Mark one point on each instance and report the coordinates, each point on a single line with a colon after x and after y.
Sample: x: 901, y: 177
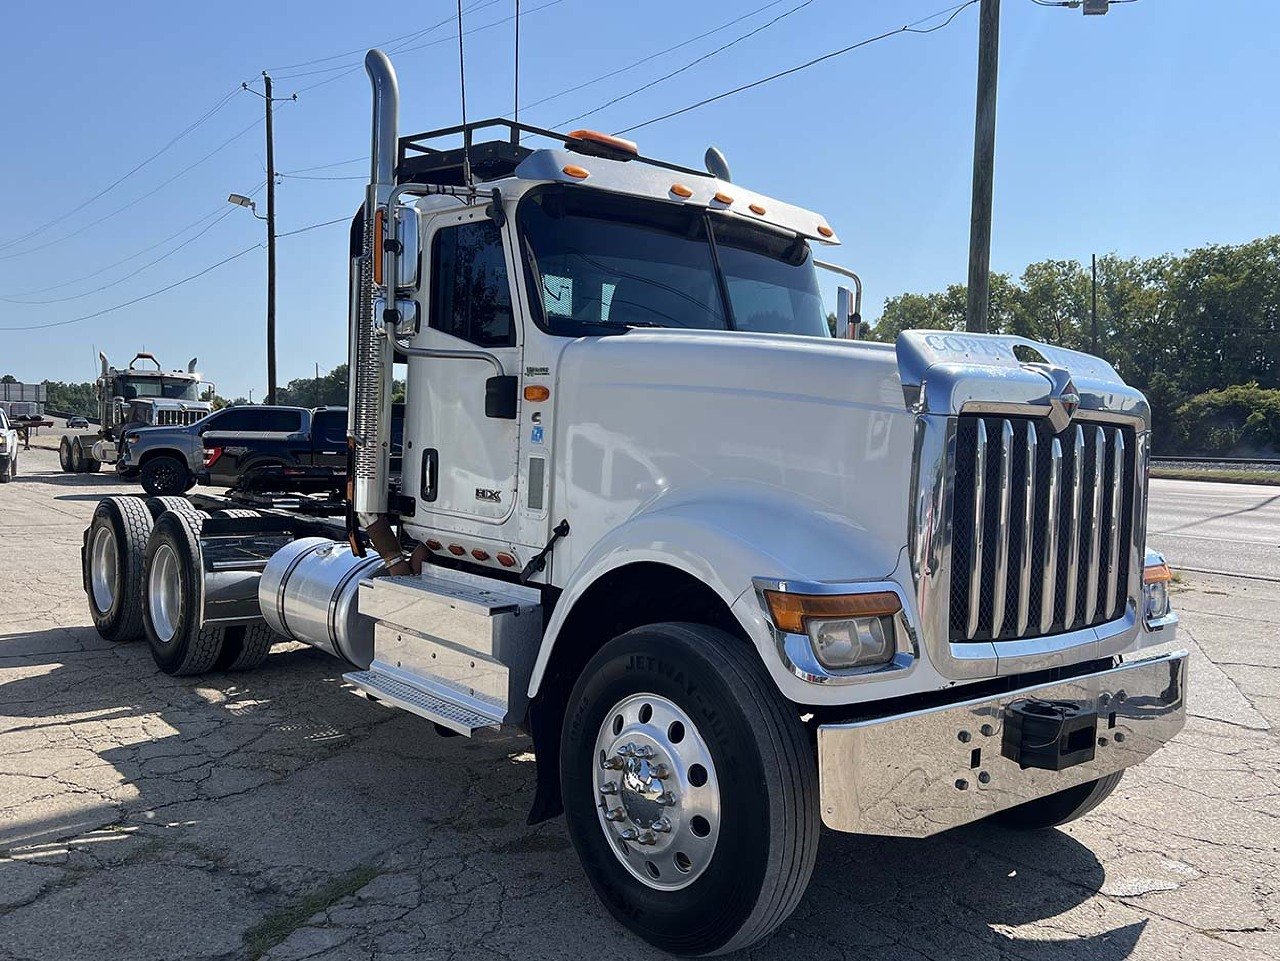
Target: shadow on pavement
x: 281, y: 778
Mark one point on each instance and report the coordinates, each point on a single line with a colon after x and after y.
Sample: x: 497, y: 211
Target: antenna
x: 462, y: 82
x: 516, y: 117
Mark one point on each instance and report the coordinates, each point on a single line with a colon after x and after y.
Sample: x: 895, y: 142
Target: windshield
x: 601, y: 261
x: 167, y: 387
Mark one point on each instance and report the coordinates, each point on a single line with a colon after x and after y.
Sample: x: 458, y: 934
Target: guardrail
x: 1239, y: 461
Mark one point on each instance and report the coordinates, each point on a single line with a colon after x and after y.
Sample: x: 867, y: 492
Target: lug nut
x: 644, y: 751
x: 610, y: 788
x: 660, y: 771
x: 630, y: 834
x: 647, y: 837
x: 627, y: 750
x: 662, y: 825
x: 612, y: 764
x: 615, y: 814
x: 666, y: 799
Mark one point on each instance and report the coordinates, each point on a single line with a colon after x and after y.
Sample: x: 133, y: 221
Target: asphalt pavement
x: 1228, y: 528
x: 272, y: 814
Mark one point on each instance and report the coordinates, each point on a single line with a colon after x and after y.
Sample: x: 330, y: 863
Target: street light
x: 240, y: 200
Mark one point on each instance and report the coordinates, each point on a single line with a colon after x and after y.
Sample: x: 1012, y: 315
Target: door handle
x: 430, y: 474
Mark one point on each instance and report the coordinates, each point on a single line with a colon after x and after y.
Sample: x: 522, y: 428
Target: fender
x: 724, y: 537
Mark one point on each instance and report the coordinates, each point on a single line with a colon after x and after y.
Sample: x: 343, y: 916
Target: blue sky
x: 1149, y: 130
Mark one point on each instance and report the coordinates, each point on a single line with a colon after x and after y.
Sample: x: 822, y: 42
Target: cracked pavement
x: 149, y: 817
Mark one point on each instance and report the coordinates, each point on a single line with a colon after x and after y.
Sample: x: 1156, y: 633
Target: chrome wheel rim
x: 164, y: 592
x: 105, y: 570
x: 657, y: 795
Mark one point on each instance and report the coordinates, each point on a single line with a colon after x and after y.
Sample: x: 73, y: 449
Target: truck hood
x: 661, y: 417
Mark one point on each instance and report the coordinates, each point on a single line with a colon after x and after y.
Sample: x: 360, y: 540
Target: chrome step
x: 381, y: 685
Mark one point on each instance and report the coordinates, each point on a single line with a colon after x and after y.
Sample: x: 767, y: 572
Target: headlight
x: 1156, y: 576
x: 852, y: 642
x: 846, y: 630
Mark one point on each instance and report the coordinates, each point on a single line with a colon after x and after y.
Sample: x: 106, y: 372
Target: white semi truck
x: 735, y: 577
x: 131, y: 397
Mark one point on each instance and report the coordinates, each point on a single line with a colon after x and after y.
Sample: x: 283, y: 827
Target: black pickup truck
x: 263, y: 441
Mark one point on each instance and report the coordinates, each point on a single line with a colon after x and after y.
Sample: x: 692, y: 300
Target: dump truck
x: 132, y: 397
x: 735, y: 577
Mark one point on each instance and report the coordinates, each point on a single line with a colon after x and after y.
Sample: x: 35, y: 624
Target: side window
x: 283, y: 421
x: 470, y: 294
x: 330, y: 427
x: 257, y: 419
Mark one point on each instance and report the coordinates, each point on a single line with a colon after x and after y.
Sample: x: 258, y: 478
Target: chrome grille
x: 175, y: 418
x: 1041, y: 527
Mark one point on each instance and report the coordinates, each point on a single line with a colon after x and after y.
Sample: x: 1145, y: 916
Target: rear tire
x: 91, y: 464
x: 165, y: 475
x: 9, y: 469
x: 1056, y: 809
x: 77, y: 457
x: 246, y: 647
x: 114, y: 556
x: 64, y: 454
x: 170, y: 502
x: 179, y: 643
x: 725, y: 838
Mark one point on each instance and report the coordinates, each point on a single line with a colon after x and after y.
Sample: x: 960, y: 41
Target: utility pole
x: 984, y: 158
x: 271, y: 246
x: 1094, y: 340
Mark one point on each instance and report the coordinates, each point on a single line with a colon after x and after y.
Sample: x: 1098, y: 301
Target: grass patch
x: 1226, y: 476
x: 279, y: 924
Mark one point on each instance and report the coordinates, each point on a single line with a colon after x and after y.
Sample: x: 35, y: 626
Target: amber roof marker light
x: 592, y: 143
x: 573, y: 170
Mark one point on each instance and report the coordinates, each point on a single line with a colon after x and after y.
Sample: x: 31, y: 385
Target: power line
x: 653, y: 56
x: 691, y: 64
x: 282, y: 73
x: 909, y: 28
x: 138, y: 300
x: 129, y: 173
x: 181, y: 173
x: 10, y: 298
x: 432, y: 43
x: 177, y: 283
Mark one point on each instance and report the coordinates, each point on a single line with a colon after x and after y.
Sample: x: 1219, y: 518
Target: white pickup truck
x: 8, y: 449
x: 735, y: 577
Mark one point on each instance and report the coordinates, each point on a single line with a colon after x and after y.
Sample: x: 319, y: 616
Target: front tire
x: 9, y: 469
x: 1057, y: 809
x: 165, y: 475
x: 690, y: 789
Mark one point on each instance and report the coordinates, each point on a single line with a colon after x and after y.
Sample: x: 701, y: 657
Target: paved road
x: 146, y: 817
x: 1216, y: 527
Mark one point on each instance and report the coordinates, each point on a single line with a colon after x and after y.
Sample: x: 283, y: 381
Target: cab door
x: 460, y: 458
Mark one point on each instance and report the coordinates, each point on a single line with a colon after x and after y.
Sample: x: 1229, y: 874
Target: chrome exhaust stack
x: 370, y: 355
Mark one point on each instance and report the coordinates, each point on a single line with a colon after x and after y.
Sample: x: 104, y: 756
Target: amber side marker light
x: 757, y: 209
x: 680, y: 190
x: 1157, y: 574
x: 724, y: 198
x: 790, y: 611
x: 826, y: 231
x: 537, y: 393
x: 379, y: 220
x: 573, y: 170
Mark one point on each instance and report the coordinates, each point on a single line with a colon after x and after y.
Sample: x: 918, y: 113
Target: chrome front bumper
x: 916, y: 774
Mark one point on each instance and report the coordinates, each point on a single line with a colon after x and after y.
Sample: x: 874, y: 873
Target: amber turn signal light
x: 1157, y: 574
x: 790, y: 611
x: 537, y: 393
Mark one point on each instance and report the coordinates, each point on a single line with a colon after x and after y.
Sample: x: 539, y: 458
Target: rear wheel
x: 115, y: 551
x: 172, y: 617
x: 690, y: 789
x: 1055, y: 809
x: 8, y: 468
x: 165, y: 475
x: 91, y: 464
x: 173, y: 502
x: 64, y: 454
x: 246, y: 647
x: 77, y: 457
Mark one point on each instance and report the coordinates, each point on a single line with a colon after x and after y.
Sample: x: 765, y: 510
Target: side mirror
x: 409, y: 236
x: 847, y: 318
